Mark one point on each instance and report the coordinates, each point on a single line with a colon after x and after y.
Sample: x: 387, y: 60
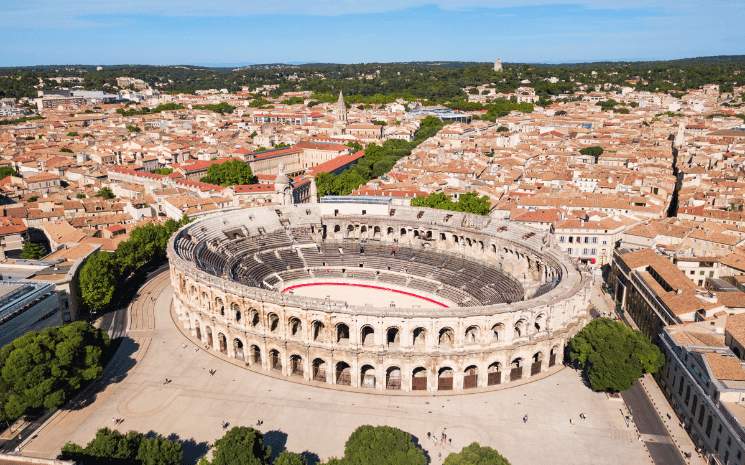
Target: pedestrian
x: 429, y: 435
x: 525, y: 419
x: 450, y: 441
x: 571, y: 421
x: 113, y: 419
x: 19, y: 437
x: 440, y: 455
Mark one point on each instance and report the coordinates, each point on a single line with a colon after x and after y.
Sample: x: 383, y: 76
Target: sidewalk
x: 683, y: 442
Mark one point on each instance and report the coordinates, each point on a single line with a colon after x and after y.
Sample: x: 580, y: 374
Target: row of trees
x: 42, y: 369
x: 468, y: 203
x: 103, y: 270
x: 111, y: 446
x: 229, y: 173
x: 377, y: 161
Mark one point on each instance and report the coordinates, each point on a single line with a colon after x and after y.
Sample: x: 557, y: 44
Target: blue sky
x: 352, y: 31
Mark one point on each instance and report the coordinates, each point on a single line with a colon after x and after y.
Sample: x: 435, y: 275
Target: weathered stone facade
x: 406, y: 349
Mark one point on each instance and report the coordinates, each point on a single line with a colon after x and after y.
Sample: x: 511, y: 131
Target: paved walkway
x: 317, y: 421
x: 679, y: 436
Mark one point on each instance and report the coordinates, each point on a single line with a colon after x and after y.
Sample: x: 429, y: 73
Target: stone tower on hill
x: 340, y: 112
x: 498, y: 65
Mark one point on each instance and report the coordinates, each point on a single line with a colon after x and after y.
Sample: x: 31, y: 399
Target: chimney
x: 678, y: 291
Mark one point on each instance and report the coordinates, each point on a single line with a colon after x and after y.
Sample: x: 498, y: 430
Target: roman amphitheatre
x: 378, y: 297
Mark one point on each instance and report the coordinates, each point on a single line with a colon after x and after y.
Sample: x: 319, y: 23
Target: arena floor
x: 365, y: 295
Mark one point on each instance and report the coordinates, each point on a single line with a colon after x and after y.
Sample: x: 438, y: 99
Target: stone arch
x: 238, y: 349
x: 389, y: 231
x: 296, y: 365
x: 540, y: 322
x: 367, y: 376
x: 255, y: 355
x: 393, y: 337
x: 445, y: 379
x: 470, y: 377
x: 318, y: 331
x: 254, y: 316
x: 472, y: 334
x: 236, y: 310
x: 222, y: 343
x: 343, y: 373
x: 210, y: 340
x: 193, y: 291
x: 494, y: 374
x: 337, y: 228
x: 219, y: 306
x: 393, y: 378
x: 516, y: 369
x: 350, y: 230
x: 416, y: 233
x: 419, y: 337
x: 198, y: 329
x: 552, y: 356
x: 446, y: 337
x: 367, y: 335
x: 295, y: 327
x: 521, y: 328
x: 273, y: 322
x: 342, y: 334
x: 419, y: 379
x: 275, y: 360
x: 497, y: 332
x: 403, y: 232
x: 481, y: 245
x: 376, y: 232
x: 319, y: 368
x: 537, y: 364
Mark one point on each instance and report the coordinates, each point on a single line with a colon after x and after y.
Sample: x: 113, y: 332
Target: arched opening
x: 220, y: 306
x: 403, y: 232
x: 389, y: 231
x: 455, y: 238
x: 337, y: 228
x: 393, y: 337
x: 236, y: 309
x: 222, y: 343
x: 295, y: 328
x: 539, y: 322
x: 419, y: 338
x: 468, y: 242
x: 493, y: 248
x: 393, y: 378
x: 342, y: 334
x: 254, y: 317
x: 275, y: 363
x: 350, y: 230
x: 416, y: 233
x: 376, y: 232
x: 472, y: 335
x: 445, y: 379
x: 273, y: 322
x: 319, y: 370
x: 419, y: 379
x: 255, y: 355
x: 481, y: 245
x: 210, y: 341
x: 516, y: 369
x: 367, y: 376
x: 446, y: 337
x: 368, y: 336
x: 497, y: 332
x: 520, y: 328
x: 470, y: 377
x: 296, y: 366
x: 193, y: 291
x: 494, y: 375
x: 198, y: 330
x: 318, y: 331
x: 535, y: 368
x: 552, y: 357
x: 343, y: 374
x: 238, y: 349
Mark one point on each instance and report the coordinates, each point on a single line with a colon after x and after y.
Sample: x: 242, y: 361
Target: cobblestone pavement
x: 317, y: 420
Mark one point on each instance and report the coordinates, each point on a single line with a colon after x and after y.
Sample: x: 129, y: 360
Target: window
x: 711, y: 274
x: 587, y: 240
x: 594, y: 240
x: 593, y: 251
x: 584, y: 251
x: 569, y: 251
x: 692, y: 272
x: 701, y: 273
x: 708, y: 426
x: 364, y: 212
x: 605, y: 242
x: 562, y: 239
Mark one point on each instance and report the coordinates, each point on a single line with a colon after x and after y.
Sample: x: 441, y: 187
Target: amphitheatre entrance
x: 365, y: 295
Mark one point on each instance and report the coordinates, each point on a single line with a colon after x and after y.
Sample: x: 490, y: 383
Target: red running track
x: 371, y: 287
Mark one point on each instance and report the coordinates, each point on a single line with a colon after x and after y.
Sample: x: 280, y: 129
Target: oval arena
x: 378, y: 297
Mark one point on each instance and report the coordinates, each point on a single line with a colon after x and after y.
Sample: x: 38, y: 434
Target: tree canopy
x: 105, y: 193
x: 290, y: 458
x: 467, y: 203
x: 41, y: 369
x: 380, y: 445
x: 6, y: 171
x: 98, y: 278
x: 240, y: 446
x: 613, y: 355
x: 594, y: 150
x: 229, y: 173
x: 131, y: 448
x: 31, y: 251
x: 476, y: 455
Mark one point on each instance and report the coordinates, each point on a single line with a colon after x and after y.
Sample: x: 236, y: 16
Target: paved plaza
x: 317, y: 420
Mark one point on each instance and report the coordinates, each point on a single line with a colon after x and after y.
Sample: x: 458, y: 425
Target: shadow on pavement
x: 415, y: 440
x: 115, y: 372
x: 192, y: 450
x: 311, y: 457
x: 277, y: 440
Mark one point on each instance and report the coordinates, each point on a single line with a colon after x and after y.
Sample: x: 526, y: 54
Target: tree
x: 229, y: 173
x: 467, y: 203
x: 356, y: 146
x: 594, y: 150
x: 476, y: 455
x: 105, y: 193
x: 133, y: 447
x: 290, y: 458
x: 66, y: 150
x: 72, y: 134
x: 6, y: 171
x: 613, y: 355
x: 41, y: 369
x: 380, y: 445
x: 131, y: 128
x: 31, y: 251
x: 33, y: 198
x: 241, y: 446
x: 503, y: 129
x: 98, y: 278
x: 80, y: 195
